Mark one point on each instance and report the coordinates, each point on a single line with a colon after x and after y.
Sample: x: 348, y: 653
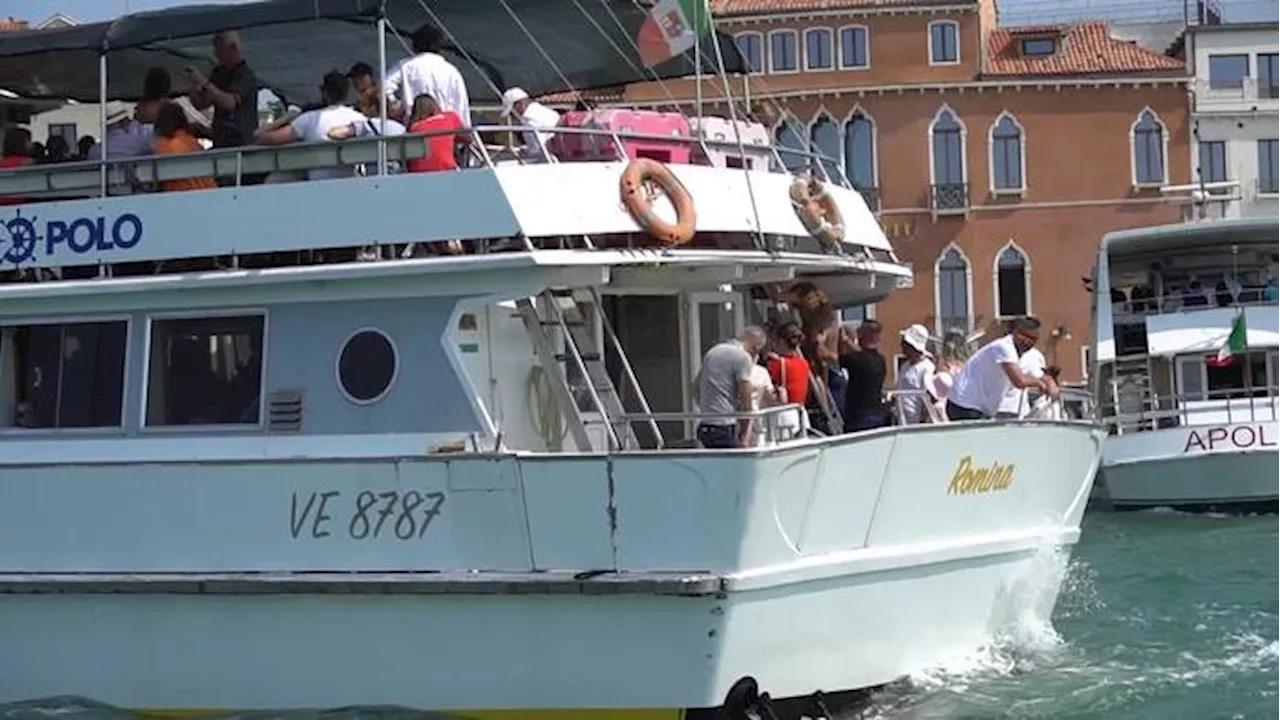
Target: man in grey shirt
x: 724, y: 386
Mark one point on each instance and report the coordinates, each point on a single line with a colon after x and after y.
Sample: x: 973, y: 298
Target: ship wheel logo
x: 18, y: 239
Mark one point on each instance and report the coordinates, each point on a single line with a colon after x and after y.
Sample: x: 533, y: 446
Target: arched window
x: 1148, y: 149
x: 790, y: 135
x: 952, y: 289
x: 1013, y: 286
x: 1006, y: 154
x: 946, y: 144
x: 860, y: 151
x: 824, y: 134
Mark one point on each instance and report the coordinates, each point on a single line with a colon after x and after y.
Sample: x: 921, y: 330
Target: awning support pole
x: 102, y: 123
x: 382, y: 88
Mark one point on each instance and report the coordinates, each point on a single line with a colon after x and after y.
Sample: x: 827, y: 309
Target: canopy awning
x: 543, y: 46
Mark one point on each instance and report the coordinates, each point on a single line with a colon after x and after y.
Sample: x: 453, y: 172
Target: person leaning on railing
x: 981, y: 383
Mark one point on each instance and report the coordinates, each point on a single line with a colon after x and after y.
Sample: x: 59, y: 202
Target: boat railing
x: 1156, y: 411
x: 1136, y: 309
x: 110, y: 176
x: 767, y: 422
x: 1071, y: 403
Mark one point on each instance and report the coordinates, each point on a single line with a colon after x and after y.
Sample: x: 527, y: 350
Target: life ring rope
x: 638, y: 204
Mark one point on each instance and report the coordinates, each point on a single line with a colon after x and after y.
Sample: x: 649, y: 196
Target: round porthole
x: 367, y: 366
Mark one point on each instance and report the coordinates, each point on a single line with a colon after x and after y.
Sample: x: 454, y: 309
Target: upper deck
x: 1166, y: 299
x: 91, y: 219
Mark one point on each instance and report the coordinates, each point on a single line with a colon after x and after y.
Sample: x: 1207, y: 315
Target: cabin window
x: 205, y: 371
x: 1242, y: 378
x: 64, y: 375
x: 367, y: 366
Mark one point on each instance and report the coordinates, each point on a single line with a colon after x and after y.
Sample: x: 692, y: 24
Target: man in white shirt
x: 540, y: 119
x: 427, y: 72
x: 980, y: 385
x: 915, y: 376
x: 1014, y: 404
x: 314, y: 125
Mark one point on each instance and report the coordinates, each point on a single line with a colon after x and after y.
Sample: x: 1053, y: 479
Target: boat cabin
x: 1165, y: 301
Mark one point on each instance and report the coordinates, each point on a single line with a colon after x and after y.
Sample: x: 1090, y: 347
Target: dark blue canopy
x: 543, y: 46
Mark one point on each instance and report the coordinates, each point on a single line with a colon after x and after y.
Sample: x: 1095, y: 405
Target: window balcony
x: 1245, y: 96
x: 950, y: 199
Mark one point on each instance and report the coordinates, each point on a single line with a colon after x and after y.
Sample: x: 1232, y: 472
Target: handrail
x: 1157, y: 411
x: 769, y: 414
x: 85, y: 175
x: 1169, y: 303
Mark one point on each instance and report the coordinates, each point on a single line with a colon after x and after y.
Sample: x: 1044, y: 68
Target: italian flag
x: 1235, y: 345
x: 672, y: 28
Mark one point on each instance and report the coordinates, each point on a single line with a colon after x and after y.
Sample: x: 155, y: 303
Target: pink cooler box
x: 577, y: 147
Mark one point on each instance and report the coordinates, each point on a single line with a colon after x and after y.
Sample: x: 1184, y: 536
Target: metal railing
x: 949, y: 197
x: 766, y: 423
x: 1133, y: 309
x: 1072, y: 404
x: 95, y: 178
x: 1157, y: 411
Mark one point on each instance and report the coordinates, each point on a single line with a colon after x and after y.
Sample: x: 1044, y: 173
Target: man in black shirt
x: 232, y: 91
x: 863, y: 404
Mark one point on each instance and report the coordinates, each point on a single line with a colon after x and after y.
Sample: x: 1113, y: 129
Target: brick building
x: 996, y: 157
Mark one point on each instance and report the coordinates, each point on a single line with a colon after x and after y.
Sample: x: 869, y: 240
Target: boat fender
x: 818, y: 212
x: 636, y: 200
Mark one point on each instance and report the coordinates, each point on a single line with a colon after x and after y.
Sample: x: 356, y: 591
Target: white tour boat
x: 242, y: 470
x: 1188, y: 431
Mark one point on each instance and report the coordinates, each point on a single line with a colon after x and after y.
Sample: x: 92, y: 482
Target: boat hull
x: 1191, y: 469
x: 828, y: 566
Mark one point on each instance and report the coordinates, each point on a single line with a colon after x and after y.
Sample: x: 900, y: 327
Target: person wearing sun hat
x: 526, y: 112
x: 125, y: 136
x: 915, y: 376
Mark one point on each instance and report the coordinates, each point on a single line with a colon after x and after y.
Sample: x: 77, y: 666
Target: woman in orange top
x: 173, y: 136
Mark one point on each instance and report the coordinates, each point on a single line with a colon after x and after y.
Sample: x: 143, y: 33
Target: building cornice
x: 828, y: 14
x: 860, y: 91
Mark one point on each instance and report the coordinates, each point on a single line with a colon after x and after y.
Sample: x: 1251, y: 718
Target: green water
x: 1163, y: 616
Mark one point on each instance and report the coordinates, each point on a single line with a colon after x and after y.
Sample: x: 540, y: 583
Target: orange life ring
x: 818, y: 211
x: 634, y: 198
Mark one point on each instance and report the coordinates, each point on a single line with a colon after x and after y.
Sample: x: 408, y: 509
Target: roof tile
x: 12, y: 23
x: 1084, y: 49
x: 728, y: 8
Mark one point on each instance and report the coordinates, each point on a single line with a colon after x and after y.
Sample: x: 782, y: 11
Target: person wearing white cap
x: 916, y: 376
x: 125, y: 136
x: 532, y: 114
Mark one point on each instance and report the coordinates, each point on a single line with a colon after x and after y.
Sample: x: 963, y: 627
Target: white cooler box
x: 755, y: 140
